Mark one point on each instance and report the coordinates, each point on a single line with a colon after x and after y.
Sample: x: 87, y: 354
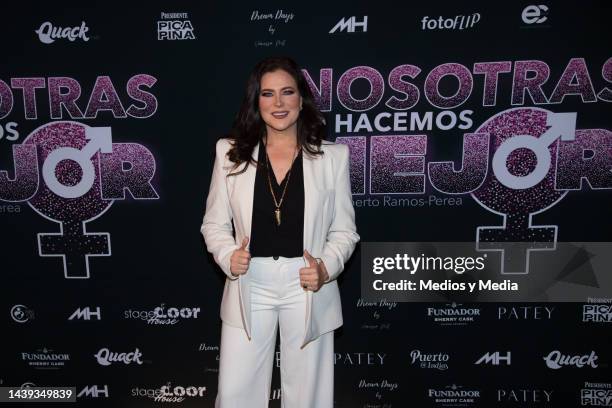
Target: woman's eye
x: 289, y: 92
x: 266, y: 94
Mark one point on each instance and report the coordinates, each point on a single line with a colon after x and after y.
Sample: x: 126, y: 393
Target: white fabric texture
x: 245, y: 368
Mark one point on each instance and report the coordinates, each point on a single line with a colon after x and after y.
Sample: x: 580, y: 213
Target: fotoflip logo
x: 83, y: 174
x: 47, y: 33
x: 350, y: 24
x: 459, y: 22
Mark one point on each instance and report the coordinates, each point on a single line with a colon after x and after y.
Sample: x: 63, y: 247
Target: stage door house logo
x: 71, y: 173
x: 170, y: 392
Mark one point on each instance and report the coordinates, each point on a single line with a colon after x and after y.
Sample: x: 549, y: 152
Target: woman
x: 287, y: 194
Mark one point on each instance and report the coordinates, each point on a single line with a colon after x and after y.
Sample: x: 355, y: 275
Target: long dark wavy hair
x: 249, y: 127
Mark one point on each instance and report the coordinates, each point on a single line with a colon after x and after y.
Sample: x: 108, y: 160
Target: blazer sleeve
x: 342, y: 235
x: 217, y: 223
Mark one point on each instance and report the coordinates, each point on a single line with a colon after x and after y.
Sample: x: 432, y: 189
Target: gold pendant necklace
x: 277, y: 204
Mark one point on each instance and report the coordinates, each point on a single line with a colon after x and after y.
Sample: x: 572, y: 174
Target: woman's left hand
x: 314, y: 275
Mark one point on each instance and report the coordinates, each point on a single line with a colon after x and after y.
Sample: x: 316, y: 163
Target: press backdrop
x: 109, y: 113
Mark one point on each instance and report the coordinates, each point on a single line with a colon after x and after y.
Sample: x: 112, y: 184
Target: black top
x: 268, y: 239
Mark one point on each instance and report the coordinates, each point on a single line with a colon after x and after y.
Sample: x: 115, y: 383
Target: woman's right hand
x: 239, y: 261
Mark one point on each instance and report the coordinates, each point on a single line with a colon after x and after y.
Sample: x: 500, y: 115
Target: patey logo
x: 47, y: 33
x: 555, y: 360
x: 358, y: 358
x: 524, y: 313
x: 350, y: 25
x: 524, y: 395
x: 83, y: 173
x: 105, y: 357
x: 533, y: 14
x: 495, y: 358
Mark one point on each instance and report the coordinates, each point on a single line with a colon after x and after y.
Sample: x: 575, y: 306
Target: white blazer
x: 329, y: 231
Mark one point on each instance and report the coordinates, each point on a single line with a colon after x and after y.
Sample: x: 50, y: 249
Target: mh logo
x: 86, y: 314
x: 93, y: 391
x: 494, y: 358
x: 83, y: 173
x: 349, y: 25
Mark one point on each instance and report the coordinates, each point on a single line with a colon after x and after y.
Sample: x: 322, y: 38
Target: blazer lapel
x: 308, y: 190
x: 242, y: 200
x: 310, y: 198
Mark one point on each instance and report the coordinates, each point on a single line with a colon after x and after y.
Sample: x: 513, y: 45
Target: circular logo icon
x: 20, y: 314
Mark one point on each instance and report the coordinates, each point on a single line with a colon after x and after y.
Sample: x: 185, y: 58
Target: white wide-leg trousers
x: 245, y: 366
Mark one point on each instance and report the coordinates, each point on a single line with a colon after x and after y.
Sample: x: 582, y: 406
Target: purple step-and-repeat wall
x: 109, y: 113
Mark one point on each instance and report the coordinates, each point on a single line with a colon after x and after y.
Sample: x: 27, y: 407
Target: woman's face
x: 279, y: 101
